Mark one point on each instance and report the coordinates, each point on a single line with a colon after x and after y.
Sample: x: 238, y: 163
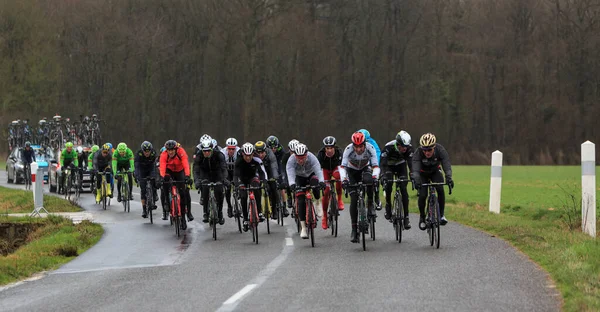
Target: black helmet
x: 146, y: 146
x: 272, y: 141
x: 170, y: 144
x: 329, y: 141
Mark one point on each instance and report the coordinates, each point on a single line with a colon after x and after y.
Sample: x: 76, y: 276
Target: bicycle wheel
x: 372, y: 225
x: 177, y: 225
x: 311, y: 222
x: 214, y: 219
x: 267, y: 209
x: 68, y: 187
x: 437, y: 225
x: 149, y: 200
x: 103, y: 193
x: 398, y: 218
x: 237, y: 214
x: 77, y: 186
x: 254, y: 220
x: 429, y: 224
x: 333, y: 212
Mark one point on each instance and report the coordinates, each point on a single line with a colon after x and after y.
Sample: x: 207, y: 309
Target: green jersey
x: 117, y: 159
x: 72, y: 156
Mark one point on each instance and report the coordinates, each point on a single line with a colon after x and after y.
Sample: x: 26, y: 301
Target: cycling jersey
x: 245, y: 171
x: 359, y: 162
x: 179, y: 162
x: 330, y: 163
x: 27, y: 156
x: 270, y: 163
x: 144, y: 166
x: 422, y: 164
x: 311, y: 166
x: 100, y: 162
x: 68, y: 157
x: 122, y: 161
x: 391, y: 156
x: 213, y: 168
x: 230, y: 160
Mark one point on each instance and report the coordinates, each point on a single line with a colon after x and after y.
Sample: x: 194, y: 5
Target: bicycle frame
x: 311, y: 216
x: 433, y: 217
x: 212, y: 206
x: 176, y: 213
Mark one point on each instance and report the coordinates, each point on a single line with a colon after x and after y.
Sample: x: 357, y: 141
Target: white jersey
x: 311, y: 165
x: 359, y: 162
x: 230, y: 160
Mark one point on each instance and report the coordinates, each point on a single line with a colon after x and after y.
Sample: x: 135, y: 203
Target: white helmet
x: 206, y: 145
x: 292, y: 145
x: 403, y: 138
x: 301, y: 149
x: 248, y: 148
x: 427, y: 140
x: 204, y: 137
x: 79, y: 150
x: 231, y: 142
x: 214, y: 142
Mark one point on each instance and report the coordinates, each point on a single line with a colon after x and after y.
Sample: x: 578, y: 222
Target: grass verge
x: 55, y: 243
x: 19, y: 201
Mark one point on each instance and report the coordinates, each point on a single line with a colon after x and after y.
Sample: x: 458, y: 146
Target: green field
x: 20, y: 201
x: 541, y: 216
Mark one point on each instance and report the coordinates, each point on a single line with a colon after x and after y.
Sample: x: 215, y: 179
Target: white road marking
x: 238, y: 295
x: 289, y: 241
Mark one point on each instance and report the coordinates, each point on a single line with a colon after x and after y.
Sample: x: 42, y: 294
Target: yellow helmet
x: 427, y: 140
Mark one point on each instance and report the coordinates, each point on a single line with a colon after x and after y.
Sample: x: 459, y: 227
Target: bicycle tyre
x: 237, y: 214
x: 398, y: 221
x: 437, y: 225
x: 214, y: 217
x: 372, y: 225
x: 149, y: 200
x: 177, y: 225
x: 311, y: 226
x: 364, y: 241
x: 68, y: 187
x: 430, y: 225
x: 267, y: 208
x: 103, y: 193
x: 333, y: 214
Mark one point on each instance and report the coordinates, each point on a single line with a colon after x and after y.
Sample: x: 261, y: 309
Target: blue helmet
x: 162, y: 149
x: 366, y: 133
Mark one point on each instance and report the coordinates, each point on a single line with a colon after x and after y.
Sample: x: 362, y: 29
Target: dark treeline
x: 522, y: 76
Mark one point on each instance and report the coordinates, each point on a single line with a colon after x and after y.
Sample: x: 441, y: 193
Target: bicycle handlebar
x: 437, y: 184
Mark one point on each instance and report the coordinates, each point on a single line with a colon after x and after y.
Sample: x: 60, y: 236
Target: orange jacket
x: 176, y: 163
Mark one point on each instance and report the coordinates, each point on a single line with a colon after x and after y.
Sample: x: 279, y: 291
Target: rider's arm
x: 290, y: 169
x: 136, y: 164
x: 443, y: 155
x: 416, y: 165
x: 184, y: 161
x: 223, y: 165
x: 162, y: 168
x: 408, y: 156
x: 75, y: 158
x: 198, y: 174
x: 114, y: 162
x: 62, y: 157
x: 130, y: 156
x: 374, y: 160
x: 273, y: 164
x: 90, y: 163
x: 316, y: 166
x: 345, y: 156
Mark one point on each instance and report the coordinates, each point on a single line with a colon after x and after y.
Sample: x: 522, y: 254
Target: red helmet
x: 358, y: 138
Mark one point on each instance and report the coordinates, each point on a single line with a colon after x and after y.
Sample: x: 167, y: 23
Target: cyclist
x: 27, y: 155
x: 174, y: 162
x: 231, y: 154
x: 359, y: 157
x: 163, y: 197
x: 123, y: 159
x: 101, y: 161
x: 426, y: 165
x: 90, y: 163
x: 396, y: 156
x: 284, y: 159
x: 270, y: 162
x: 277, y: 149
x: 68, y: 157
x: 302, y: 167
x: 81, y: 158
x: 144, y: 162
x: 210, y: 167
x: 330, y: 158
x: 249, y: 170
x: 216, y: 145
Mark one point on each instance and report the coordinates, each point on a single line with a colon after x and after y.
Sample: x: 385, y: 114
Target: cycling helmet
x: 231, y: 142
x: 206, y: 145
x: 427, y: 140
x: 366, y: 133
x: 122, y: 147
x: 68, y: 144
x: 301, y: 149
x: 95, y: 148
x: 42, y: 122
x: 403, y: 138
x: 110, y: 145
x: 79, y: 150
x: 358, y: 138
x: 248, y: 148
x: 86, y: 119
x: 272, y: 141
x: 329, y: 141
x: 214, y: 143
x: 292, y: 145
x: 14, y: 122
x: 27, y: 144
x: 94, y: 116
x: 260, y: 146
x: 170, y: 144
x: 106, y: 147
x: 162, y: 149
x: 146, y: 146
x: 204, y: 137
x: 56, y: 118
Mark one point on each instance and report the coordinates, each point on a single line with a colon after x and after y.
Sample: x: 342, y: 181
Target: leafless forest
x: 522, y: 76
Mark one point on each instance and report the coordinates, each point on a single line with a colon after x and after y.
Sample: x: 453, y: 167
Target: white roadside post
x: 496, y: 182
x: 588, y: 188
x: 37, y: 179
